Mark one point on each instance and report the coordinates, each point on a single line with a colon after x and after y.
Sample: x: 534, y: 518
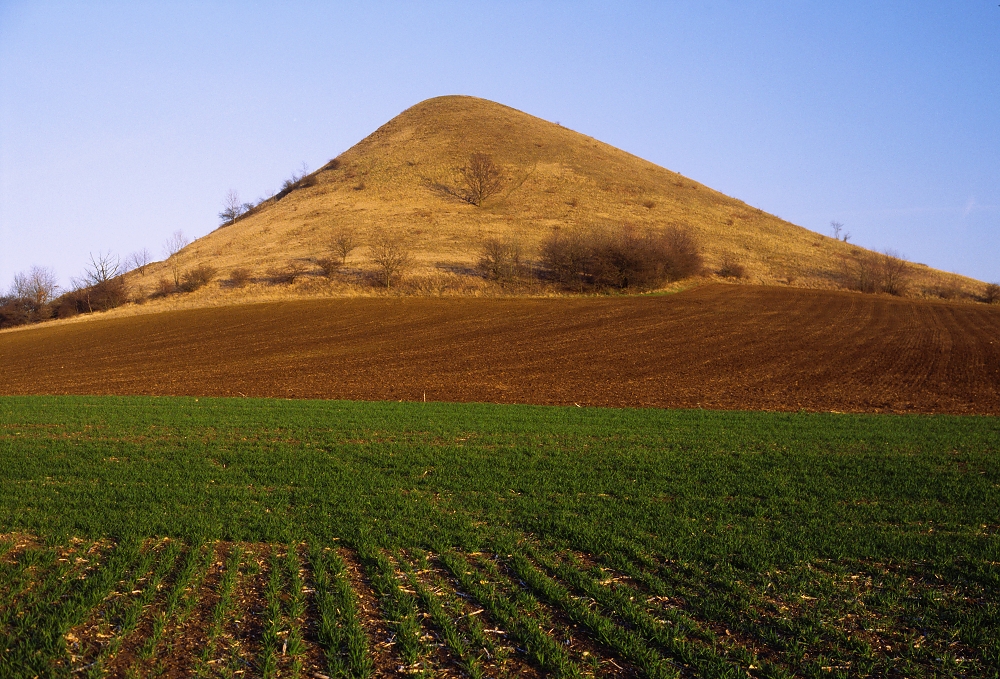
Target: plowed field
x: 717, y: 346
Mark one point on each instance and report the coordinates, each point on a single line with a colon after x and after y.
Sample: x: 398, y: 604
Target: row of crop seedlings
x: 289, y: 611
x: 801, y: 622
x: 563, y: 620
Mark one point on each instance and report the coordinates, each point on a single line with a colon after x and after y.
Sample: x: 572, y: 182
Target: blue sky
x: 123, y: 122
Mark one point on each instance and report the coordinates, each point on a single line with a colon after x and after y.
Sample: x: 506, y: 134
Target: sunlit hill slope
x: 406, y: 177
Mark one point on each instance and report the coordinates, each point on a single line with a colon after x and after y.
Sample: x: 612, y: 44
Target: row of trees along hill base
x: 35, y: 294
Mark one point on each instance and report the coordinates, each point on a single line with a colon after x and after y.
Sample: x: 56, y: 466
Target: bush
x: 164, y: 287
x: 239, y: 277
x: 731, y: 267
x: 873, y: 272
x: 621, y: 258
x: 286, y: 275
x: 949, y: 290
x: 197, y: 278
x: 101, y: 296
x: 328, y: 266
x: 565, y: 256
x: 15, y: 312
x: 992, y: 293
x: 500, y: 260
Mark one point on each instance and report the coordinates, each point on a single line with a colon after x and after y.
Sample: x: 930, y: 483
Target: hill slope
x: 406, y: 176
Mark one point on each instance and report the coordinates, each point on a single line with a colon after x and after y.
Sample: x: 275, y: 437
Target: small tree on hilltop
x: 482, y: 177
x: 175, y: 243
x: 390, y: 253
x: 139, y: 260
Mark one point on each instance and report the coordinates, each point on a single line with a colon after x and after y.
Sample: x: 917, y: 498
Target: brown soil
x: 717, y: 346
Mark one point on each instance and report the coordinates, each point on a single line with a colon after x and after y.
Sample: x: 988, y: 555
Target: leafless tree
x: 102, y: 284
x: 138, y: 261
x: 836, y: 227
x: 38, y: 285
x: 482, y: 177
x: 390, y: 253
x: 175, y: 243
x: 103, y: 267
x: 344, y: 242
x: 232, y: 208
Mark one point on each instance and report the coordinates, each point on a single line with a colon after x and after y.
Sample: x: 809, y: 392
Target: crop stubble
x: 717, y: 346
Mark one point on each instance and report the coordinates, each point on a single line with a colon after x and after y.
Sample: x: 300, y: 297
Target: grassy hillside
x: 405, y: 177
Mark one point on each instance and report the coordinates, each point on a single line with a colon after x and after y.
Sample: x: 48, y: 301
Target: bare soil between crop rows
x: 716, y: 346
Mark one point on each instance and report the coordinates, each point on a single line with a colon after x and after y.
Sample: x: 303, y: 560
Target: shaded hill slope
x: 716, y: 346
x: 405, y: 176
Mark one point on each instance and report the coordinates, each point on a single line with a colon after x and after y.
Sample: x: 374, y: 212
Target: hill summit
x: 407, y: 176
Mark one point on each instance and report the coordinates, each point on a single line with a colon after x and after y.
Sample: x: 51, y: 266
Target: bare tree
x: 38, y: 285
x: 232, y: 208
x: 390, y: 253
x: 175, y: 243
x: 482, y: 177
x: 102, y: 284
x: 344, y: 241
x: 138, y: 261
x: 103, y: 267
x: 836, y: 227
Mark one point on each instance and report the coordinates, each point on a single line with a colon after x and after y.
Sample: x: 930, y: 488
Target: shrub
x: 286, y: 275
x: 565, y: 256
x: 621, y: 258
x: 101, y: 296
x: 328, y: 265
x: 992, y: 293
x: 14, y: 312
x: 949, y: 290
x: 500, y: 260
x: 731, y: 267
x: 239, y: 277
x: 197, y: 278
x: 873, y: 272
x: 164, y: 287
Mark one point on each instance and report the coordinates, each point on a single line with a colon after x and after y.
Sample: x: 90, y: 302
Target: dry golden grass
x: 404, y: 177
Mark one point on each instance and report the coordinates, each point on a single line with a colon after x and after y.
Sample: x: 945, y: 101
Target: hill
x: 406, y: 177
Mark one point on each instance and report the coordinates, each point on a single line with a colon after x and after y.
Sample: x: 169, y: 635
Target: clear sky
x: 123, y: 122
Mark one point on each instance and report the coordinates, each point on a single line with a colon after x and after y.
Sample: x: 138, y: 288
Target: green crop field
x: 244, y: 537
